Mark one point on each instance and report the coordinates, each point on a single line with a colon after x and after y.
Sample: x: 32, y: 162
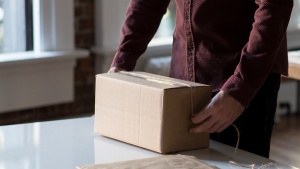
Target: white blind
x: 14, y: 32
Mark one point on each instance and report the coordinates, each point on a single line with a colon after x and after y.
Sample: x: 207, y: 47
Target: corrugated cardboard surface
x: 149, y: 112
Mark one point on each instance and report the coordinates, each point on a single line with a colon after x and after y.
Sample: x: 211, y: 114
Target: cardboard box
x: 149, y: 111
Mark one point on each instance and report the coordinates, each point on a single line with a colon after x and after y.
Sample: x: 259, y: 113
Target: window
x: 15, y: 25
x: 293, y: 31
x: 1, y: 24
x: 165, y: 31
x: 22, y: 76
x: 167, y: 25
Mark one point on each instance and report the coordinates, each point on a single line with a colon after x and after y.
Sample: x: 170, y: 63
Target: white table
x: 65, y: 144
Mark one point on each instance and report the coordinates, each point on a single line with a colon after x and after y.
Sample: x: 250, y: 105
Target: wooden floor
x: 285, y: 143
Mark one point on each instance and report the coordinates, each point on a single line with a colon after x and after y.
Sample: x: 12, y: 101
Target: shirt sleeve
x: 142, y: 20
x: 259, y: 54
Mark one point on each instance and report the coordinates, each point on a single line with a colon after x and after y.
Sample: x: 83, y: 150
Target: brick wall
x: 83, y: 104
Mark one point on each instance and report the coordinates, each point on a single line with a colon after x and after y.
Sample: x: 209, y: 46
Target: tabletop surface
x: 294, y: 64
x: 66, y: 144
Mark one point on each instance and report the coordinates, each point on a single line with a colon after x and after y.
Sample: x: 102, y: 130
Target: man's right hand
x: 115, y: 69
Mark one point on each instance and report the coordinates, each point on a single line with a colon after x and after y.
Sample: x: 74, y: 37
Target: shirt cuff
x: 124, y: 60
x: 238, y: 89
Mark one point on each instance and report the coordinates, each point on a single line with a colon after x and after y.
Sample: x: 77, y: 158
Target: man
x: 237, y: 46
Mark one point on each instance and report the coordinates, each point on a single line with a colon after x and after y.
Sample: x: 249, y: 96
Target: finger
x: 204, y: 126
x: 216, y: 127
x: 112, y: 70
x: 201, y: 116
x: 115, y: 69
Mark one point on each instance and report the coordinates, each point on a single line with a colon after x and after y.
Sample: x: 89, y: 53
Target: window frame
x: 26, y: 76
x: 53, y: 25
x: 29, y: 25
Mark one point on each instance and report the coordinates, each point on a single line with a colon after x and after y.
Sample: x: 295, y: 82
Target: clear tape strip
x: 163, y: 81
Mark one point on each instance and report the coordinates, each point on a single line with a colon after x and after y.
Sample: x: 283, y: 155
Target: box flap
x: 151, y: 80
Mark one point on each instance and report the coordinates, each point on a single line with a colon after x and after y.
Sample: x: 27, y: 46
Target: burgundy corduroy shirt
x: 231, y: 45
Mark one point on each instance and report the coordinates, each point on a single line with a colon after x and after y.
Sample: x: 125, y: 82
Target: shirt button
x: 190, y: 47
x: 186, y: 17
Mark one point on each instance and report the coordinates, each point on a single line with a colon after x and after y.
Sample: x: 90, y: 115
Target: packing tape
x: 155, y: 79
x: 162, y: 81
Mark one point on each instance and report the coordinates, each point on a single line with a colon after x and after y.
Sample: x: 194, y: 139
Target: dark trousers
x: 256, y: 122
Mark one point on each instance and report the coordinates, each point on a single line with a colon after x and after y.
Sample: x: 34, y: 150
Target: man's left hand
x: 221, y: 112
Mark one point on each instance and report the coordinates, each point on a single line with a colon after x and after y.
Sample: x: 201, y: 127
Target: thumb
x: 115, y: 69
